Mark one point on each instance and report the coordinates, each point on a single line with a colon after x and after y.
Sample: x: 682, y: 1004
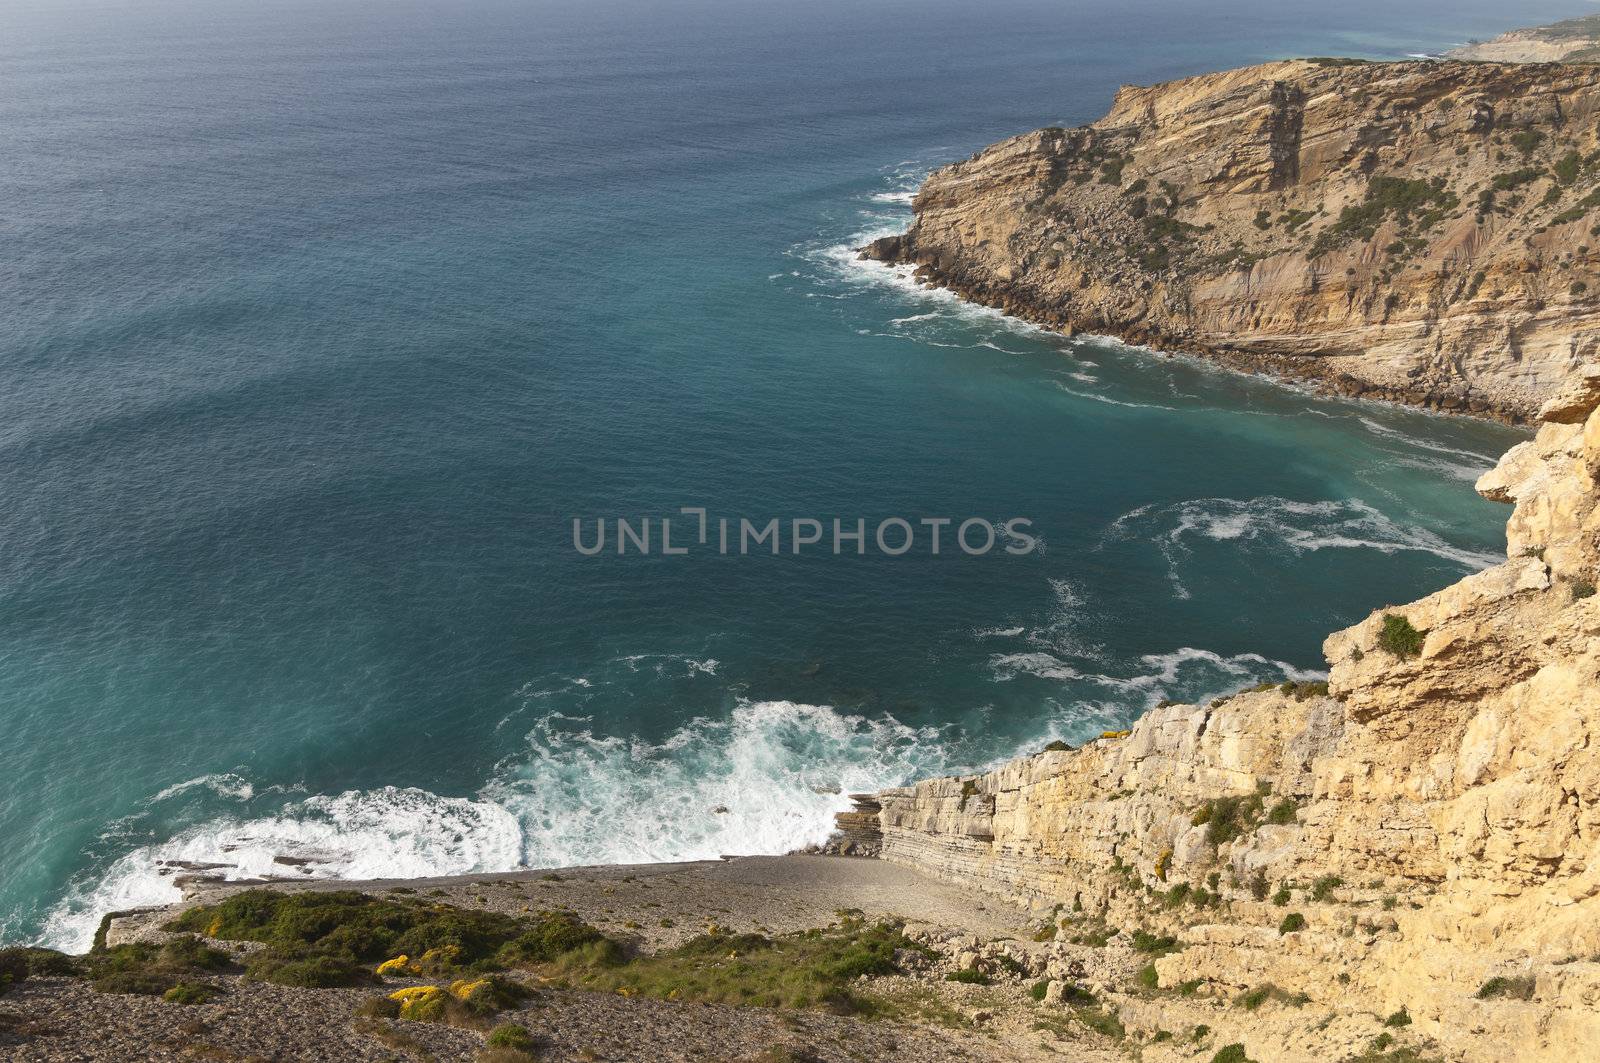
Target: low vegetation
x: 799, y: 970
x: 1227, y: 818
x: 344, y: 938
x: 1507, y: 988
x: 151, y: 969
x: 1399, y: 637
x: 1406, y: 201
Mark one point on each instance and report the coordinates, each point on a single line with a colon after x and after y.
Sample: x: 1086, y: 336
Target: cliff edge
x: 1417, y: 842
x: 1417, y: 231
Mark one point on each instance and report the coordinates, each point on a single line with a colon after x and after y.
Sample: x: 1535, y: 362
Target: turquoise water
x: 324, y: 321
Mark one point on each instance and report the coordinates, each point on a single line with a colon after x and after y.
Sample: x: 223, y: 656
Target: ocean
x: 323, y: 322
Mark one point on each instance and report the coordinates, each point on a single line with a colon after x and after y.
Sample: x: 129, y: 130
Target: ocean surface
x: 321, y: 322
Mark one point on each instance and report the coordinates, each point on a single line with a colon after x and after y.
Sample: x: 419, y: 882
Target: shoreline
x: 888, y: 251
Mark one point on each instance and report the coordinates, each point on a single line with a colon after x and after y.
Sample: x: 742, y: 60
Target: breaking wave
x: 768, y: 779
x: 1301, y: 527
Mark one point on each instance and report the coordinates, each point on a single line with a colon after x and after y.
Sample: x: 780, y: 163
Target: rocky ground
x: 1416, y: 231
x: 919, y: 1015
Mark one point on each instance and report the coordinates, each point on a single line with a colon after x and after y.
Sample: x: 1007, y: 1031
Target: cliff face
x: 1574, y: 40
x: 1416, y: 231
x: 1433, y: 818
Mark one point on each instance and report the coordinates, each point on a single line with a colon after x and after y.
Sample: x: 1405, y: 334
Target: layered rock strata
x: 1418, y: 231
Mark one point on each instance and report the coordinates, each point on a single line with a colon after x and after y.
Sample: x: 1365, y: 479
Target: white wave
x: 998, y: 632
x: 1108, y: 400
x: 1381, y: 429
x: 663, y: 663
x: 1007, y: 666
x: 1303, y: 527
x: 1195, y: 674
x: 586, y: 799
x: 903, y: 197
x: 781, y: 769
x: 223, y: 785
x: 386, y: 833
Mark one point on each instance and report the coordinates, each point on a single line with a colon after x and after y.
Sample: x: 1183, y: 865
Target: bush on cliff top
x: 149, y: 969
x: 1399, y: 637
x: 332, y: 938
x: 804, y: 969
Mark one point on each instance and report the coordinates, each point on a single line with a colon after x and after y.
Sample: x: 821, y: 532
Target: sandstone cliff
x: 1575, y: 40
x: 1420, y: 841
x: 1418, y: 231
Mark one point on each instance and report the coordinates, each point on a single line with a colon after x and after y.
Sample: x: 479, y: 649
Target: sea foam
x: 767, y: 779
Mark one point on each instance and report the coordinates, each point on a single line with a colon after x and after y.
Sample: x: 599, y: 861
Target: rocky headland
x: 1418, y: 231
x: 1574, y: 40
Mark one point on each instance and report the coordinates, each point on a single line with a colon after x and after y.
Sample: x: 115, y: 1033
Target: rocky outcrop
x: 1575, y: 40
x: 1421, y: 837
x: 1417, y: 231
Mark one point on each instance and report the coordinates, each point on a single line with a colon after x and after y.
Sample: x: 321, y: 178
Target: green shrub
x: 1282, y: 813
x: 1282, y: 897
x: 305, y: 972
x: 1057, y: 746
x: 379, y: 1007
x: 1399, y: 1018
x: 1500, y: 987
x: 25, y: 961
x: 1150, y: 943
x: 1227, y: 818
x: 970, y: 976
x: 1102, y: 1021
x: 1037, y: 990
x: 1581, y: 589
x: 335, y: 938
x: 150, y: 969
x: 1147, y: 976
x: 1387, y: 196
x: 510, y: 1035
x: 191, y: 993
x: 791, y: 970
x: 1399, y: 637
x: 1292, y: 922
x: 1233, y: 1053
x: 1324, y: 886
x: 13, y: 969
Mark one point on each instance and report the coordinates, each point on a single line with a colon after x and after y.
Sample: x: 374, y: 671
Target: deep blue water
x: 322, y: 321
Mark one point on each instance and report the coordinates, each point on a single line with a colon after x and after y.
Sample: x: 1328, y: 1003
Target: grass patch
x: 968, y: 976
